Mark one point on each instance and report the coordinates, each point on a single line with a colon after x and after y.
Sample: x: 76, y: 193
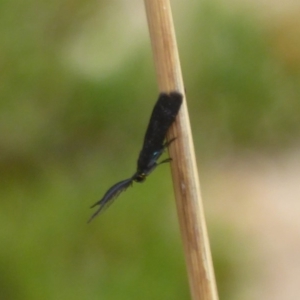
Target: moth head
x: 140, y: 177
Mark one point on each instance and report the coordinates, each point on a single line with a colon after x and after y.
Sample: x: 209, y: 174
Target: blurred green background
x: 76, y: 92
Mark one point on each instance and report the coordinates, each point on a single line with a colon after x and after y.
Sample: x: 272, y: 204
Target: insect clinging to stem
x: 162, y: 117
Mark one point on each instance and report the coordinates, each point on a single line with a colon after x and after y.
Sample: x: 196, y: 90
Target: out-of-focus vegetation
x: 244, y: 89
x: 72, y: 122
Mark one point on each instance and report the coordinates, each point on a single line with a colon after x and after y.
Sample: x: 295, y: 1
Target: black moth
x: 163, y: 115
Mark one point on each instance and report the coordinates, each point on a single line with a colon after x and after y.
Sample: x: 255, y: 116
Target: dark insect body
x: 162, y: 117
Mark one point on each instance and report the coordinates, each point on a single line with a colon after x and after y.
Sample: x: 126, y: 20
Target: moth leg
x: 165, y: 161
x: 168, y: 143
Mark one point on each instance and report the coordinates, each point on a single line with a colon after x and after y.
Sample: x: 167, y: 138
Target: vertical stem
x: 184, y: 168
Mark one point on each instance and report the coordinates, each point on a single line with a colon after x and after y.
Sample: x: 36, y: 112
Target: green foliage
x: 241, y: 93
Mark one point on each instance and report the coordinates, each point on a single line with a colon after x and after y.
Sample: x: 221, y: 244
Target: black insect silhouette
x: 163, y: 115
